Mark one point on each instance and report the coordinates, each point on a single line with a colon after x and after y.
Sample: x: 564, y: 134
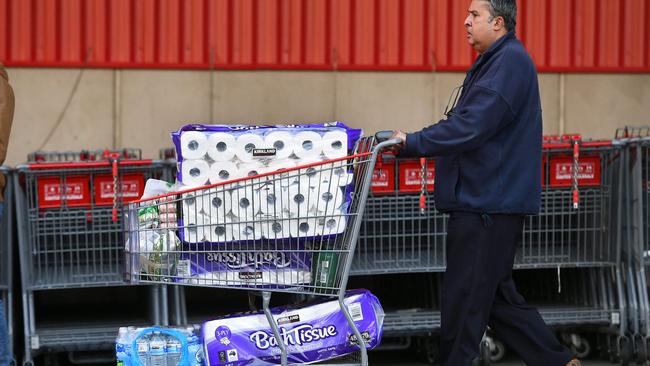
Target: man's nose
x: 468, y: 23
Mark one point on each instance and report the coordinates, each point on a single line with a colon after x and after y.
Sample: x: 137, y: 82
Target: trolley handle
x: 382, y: 136
x: 575, y: 172
x: 386, y: 137
x: 114, y: 158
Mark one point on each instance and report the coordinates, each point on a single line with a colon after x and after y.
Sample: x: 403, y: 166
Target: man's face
x: 480, y: 26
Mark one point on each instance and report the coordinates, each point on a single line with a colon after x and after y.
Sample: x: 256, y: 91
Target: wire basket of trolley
x: 275, y: 228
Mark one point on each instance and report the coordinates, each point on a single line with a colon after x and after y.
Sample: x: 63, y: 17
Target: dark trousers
x: 478, y: 290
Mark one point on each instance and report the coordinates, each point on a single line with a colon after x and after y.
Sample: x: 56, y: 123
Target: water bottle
x: 157, y: 350
x: 121, y: 347
x: 173, y: 351
x: 194, y: 350
x: 143, y: 351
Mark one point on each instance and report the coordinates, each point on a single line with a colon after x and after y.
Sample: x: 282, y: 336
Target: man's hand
x: 400, y: 136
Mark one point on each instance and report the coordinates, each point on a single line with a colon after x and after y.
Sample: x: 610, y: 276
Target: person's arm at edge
x: 6, y: 112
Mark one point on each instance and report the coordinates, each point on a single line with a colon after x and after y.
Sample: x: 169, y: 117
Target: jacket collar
x: 498, y: 44
x: 493, y: 49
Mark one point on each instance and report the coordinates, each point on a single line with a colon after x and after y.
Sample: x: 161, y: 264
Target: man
x: 488, y: 173
x: 6, y: 117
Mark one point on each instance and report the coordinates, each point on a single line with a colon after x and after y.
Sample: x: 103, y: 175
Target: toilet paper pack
x: 240, y: 265
x: 311, y: 333
x: 212, y: 154
x: 254, y: 148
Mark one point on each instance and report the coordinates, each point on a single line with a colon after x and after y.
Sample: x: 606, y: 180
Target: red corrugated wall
x: 562, y: 35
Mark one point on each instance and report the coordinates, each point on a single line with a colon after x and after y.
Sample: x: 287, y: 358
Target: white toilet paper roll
x: 307, y: 181
x: 217, y: 204
x: 246, y: 143
x: 221, y: 146
x: 307, y: 144
x: 194, y: 226
x: 270, y: 200
x: 337, y: 173
x: 194, y: 145
x: 285, y: 179
x: 247, y: 230
x: 195, y: 172
x: 303, y: 227
x: 245, y: 203
x: 276, y: 229
x: 311, y: 174
x: 251, y: 169
x: 328, y: 200
x: 282, y: 142
x: 192, y: 233
x: 222, y: 171
x: 300, y: 200
x: 191, y: 205
x: 330, y: 225
x: 218, y: 232
x: 335, y: 144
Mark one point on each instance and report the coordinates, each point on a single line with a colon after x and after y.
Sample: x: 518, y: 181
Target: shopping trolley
x: 6, y: 258
x: 70, y: 238
x: 401, y: 230
x: 636, y: 231
x: 576, y: 235
x: 314, y: 261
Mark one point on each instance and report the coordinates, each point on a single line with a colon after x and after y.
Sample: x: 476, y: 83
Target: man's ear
x: 499, y: 23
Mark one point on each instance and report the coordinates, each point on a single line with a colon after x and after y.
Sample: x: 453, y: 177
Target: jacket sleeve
x: 6, y: 115
x: 484, y: 112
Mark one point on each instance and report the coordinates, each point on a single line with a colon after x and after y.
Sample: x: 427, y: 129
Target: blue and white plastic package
x: 158, y: 346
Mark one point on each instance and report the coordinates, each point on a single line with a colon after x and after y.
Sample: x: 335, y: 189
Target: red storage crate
x: 561, y: 171
x: 410, y: 176
x: 73, y: 191
x: 383, y: 177
x: 132, y: 188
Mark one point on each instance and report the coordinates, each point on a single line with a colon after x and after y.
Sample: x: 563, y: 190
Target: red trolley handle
x: 576, y: 167
x: 114, y: 158
x: 423, y: 191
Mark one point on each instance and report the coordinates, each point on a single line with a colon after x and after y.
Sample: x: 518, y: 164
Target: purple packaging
x: 241, y: 265
x: 312, y: 333
x: 353, y: 135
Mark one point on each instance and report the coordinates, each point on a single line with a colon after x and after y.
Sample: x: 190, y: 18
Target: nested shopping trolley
x: 578, y: 234
x: 575, y: 243
x: 72, y: 254
x: 402, y: 238
x: 6, y: 262
x: 636, y: 229
x: 268, y: 233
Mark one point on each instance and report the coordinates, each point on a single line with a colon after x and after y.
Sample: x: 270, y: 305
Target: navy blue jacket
x: 489, y: 151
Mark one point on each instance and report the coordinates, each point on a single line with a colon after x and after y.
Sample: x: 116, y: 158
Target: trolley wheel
x: 583, y: 349
x: 613, y: 349
x: 601, y: 344
x: 51, y: 360
x: 641, y: 352
x: 625, y: 350
x: 28, y: 363
x: 486, y: 354
x: 428, y: 350
x: 498, y: 351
